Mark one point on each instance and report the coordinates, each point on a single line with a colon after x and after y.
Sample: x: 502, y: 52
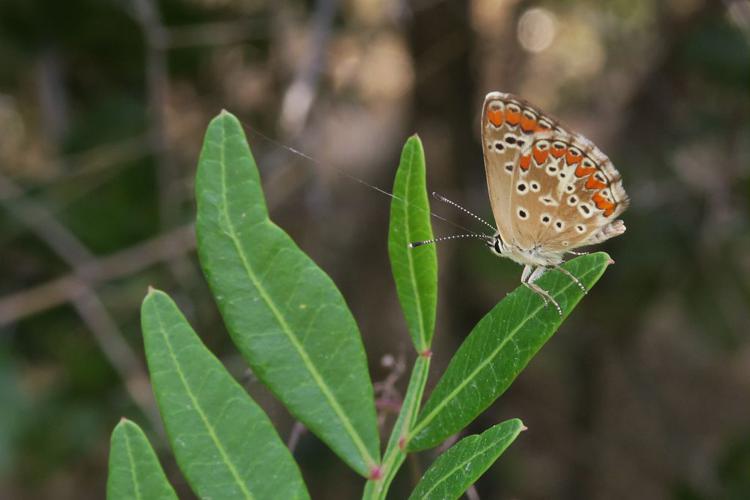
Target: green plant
x: 295, y: 330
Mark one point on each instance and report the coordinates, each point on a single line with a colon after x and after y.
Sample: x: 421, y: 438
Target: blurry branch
x: 300, y: 95
x: 53, y: 100
x: 157, y: 86
x: 124, y: 263
x: 298, y: 429
x: 218, y: 33
x: 106, y: 333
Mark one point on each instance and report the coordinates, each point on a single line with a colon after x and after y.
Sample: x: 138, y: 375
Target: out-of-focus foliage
x: 102, y: 107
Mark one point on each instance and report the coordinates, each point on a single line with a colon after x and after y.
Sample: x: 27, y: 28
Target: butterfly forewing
x: 508, y: 124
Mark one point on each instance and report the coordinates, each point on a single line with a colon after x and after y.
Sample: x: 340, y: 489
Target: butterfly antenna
x: 442, y: 198
x: 446, y: 238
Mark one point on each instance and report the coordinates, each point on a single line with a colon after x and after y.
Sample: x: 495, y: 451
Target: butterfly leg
x: 529, y: 276
x: 572, y: 277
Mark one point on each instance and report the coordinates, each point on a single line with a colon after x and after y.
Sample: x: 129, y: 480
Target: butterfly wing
x: 571, y: 191
x: 508, y: 124
x: 551, y: 190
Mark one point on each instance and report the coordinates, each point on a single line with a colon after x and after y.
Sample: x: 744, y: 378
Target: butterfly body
x: 551, y: 190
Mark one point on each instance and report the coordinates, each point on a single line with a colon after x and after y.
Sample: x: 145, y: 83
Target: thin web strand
x: 350, y: 176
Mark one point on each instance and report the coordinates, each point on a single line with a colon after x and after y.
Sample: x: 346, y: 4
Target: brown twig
x: 106, y: 333
x: 216, y: 33
x: 162, y: 248
x: 157, y: 87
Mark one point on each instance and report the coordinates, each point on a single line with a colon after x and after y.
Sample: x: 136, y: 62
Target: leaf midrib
x: 340, y: 414
x: 136, y: 484
x: 196, y: 404
x: 430, y: 416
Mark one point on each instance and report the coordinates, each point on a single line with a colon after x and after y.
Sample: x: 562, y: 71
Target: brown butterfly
x: 551, y: 190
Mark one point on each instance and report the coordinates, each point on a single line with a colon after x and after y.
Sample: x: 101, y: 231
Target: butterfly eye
x: 522, y: 213
x: 581, y: 228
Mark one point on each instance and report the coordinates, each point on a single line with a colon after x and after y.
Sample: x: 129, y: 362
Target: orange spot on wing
x: 495, y: 116
x: 603, y: 204
x: 594, y: 183
x: 540, y: 156
x: 572, y: 159
x: 528, y: 125
x: 582, y: 171
x: 525, y: 161
x: 512, y: 117
x: 558, y: 152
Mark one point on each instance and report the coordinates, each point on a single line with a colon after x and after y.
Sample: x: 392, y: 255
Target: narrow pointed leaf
x: 134, y: 470
x: 460, y: 467
x: 224, y: 443
x: 414, y: 269
x: 498, y: 349
x: 283, y: 312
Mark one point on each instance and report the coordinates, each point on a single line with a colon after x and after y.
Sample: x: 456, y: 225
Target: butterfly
x: 551, y: 190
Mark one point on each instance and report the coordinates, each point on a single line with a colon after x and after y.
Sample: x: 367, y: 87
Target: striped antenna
x: 446, y: 238
x: 442, y: 198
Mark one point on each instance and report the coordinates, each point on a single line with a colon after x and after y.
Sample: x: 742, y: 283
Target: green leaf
x: 283, y: 312
x: 459, y: 467
x: 498, y: 348
x: 134, y: 470
x: 414, y: 269
x: 224, y: 443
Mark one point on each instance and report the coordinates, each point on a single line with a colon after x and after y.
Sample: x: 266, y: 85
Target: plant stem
x: 376, y: 489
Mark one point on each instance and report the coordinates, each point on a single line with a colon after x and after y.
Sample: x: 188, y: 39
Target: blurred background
x: 643, y: 393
